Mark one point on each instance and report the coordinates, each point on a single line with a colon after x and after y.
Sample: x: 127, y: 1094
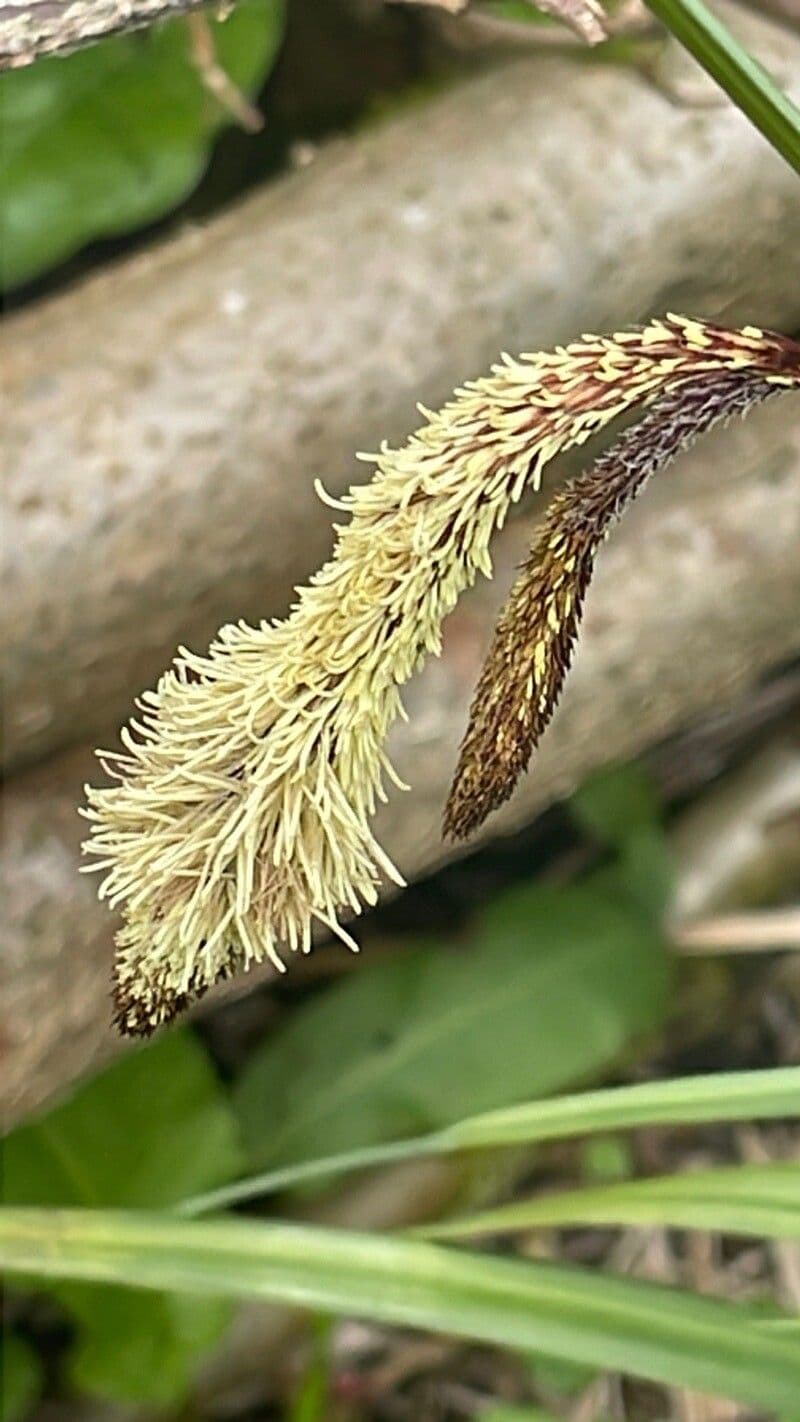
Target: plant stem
x: 741, y: 76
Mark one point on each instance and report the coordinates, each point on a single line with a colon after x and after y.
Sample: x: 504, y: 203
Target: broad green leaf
x: 616, y: 802
x: 144, y: 1132
x: 20, y: 1378
x: 605, y: 1158
x: 137, y: 1346
x: 560, y: 1377
x: 554, y: 986
x: 758, y: 1200
x: 646, y: 870
x: 111, y: 137
x: 772, y: 1094
x: 622, y: 1324
x: 620, y: 807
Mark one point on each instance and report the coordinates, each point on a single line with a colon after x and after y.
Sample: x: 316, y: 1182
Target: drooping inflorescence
x: 533, y: 641
x: 239, y: 813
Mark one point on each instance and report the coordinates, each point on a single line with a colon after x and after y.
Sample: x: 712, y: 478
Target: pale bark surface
x: 32, y: 29
x: 164, y: 423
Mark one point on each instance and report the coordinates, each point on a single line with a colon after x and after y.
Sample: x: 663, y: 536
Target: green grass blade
x: 692, y: 1100
x: 723, y: 1096
x: 743, y: 79
x: 758, y: 1200
x: 622, y: 1324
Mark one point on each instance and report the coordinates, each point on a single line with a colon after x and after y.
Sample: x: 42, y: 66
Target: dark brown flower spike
x: 532, y: 646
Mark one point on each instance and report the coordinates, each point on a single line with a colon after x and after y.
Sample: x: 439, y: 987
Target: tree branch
x: 32, y: 29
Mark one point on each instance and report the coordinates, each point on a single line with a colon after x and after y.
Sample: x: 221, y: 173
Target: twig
x: 214, y: 77
x: 747, y: 932
x: 586, y: 18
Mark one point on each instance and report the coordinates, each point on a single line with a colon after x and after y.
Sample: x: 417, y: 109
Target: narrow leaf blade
x: 662, y: 1334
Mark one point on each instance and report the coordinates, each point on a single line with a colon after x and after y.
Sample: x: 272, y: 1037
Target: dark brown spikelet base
x: 140, y: 1009
x: 532, y: 646
x: 132, y: 1018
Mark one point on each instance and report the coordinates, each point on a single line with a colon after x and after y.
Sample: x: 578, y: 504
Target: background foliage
x: 104, y: 140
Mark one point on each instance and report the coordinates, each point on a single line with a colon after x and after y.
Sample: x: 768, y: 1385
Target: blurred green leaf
x: 311, y: 1402
x: 620, y: 808
x: 769, y: 1094
x: 109, y: 138
x: 646, y: 870
x: 758, y: 1200
x: 144, y: 1132
x: 20, y: 1378
x: 616, y: 802
x: 138, y: 1347
x: 606, y: 1158
x: 562, y: 1376
x: 666, y: 1334
x: 552, y: 988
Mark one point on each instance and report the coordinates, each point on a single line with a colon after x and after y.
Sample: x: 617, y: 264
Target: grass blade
x: 663, y: 1334
x: 743, y: 79
x: 758, y: 1200
x: 723, y: 1096
x: 691, y: 1100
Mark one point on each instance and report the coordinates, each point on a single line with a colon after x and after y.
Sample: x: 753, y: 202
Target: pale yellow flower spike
x: 240, y: 812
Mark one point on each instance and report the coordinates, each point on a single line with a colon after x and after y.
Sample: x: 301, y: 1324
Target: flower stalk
x: 239, y: 810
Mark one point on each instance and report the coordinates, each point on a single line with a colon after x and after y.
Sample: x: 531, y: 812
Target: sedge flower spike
x: 240, y: 805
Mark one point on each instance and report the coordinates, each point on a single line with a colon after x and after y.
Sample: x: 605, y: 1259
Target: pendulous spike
x: 240, y: 811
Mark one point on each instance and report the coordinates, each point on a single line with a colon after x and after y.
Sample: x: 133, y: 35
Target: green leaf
x: 560, y: 1377
x: 758, y: 1200
x: 147, y: 1130
x: 553, y: 988
x: 617, y: 802
x: 646, y: 871
x: 606, y: 1158
x: 143, y: 1132
x: 621, y: 1324
x: 111, y: 137
x: 722, y: 1096
x: 136, y: 1346
x: 21, y: 1374
x: 718, y: 1096
x: 620, y: 808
